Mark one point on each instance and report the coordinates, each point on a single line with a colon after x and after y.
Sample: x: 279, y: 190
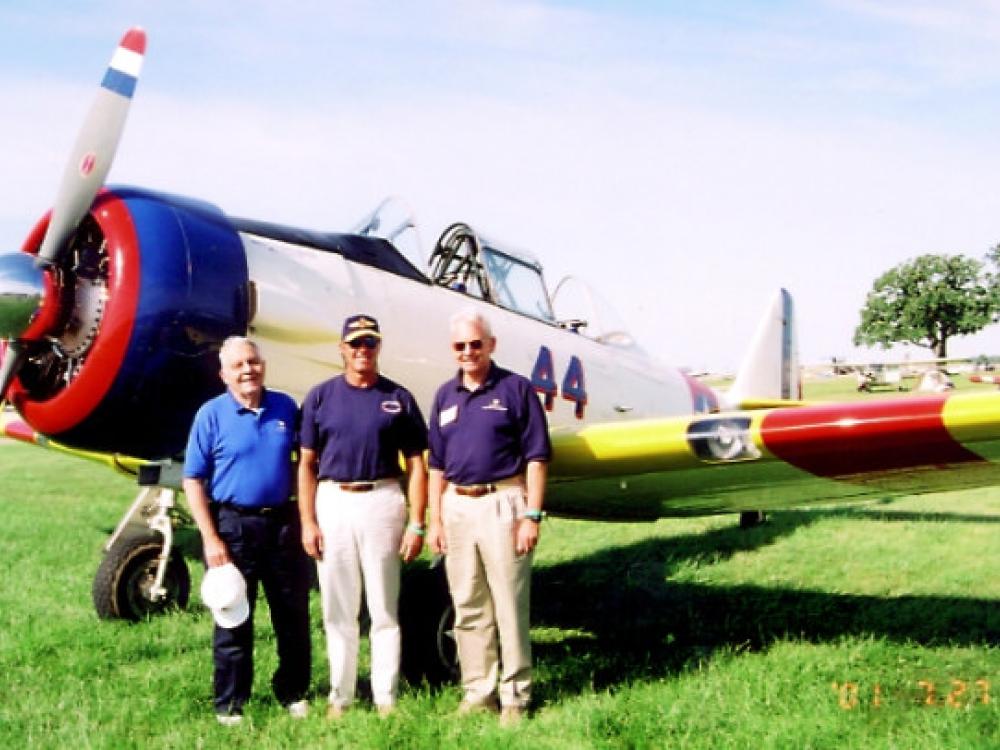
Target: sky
x: 687, y: 159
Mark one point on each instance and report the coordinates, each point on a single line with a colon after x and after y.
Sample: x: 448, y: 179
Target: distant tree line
x: 929, y: 299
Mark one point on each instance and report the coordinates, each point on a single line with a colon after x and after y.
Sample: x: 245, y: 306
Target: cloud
x: 973, y: 19
x: 688, y: 166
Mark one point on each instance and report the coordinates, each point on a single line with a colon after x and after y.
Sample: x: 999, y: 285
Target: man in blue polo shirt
x: 238, y: 475
x: 355, y: 427
x: 489, y: 448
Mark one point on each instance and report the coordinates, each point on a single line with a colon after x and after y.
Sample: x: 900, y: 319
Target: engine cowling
x: 132, y: 320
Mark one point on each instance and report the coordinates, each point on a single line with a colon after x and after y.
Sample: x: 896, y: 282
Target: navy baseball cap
x: 359, y: 325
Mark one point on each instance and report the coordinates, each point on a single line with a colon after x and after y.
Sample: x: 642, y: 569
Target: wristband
x: 533, y: 515
x: 416, y: 528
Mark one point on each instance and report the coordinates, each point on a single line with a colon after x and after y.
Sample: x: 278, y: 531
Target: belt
x: 250, y: 510
x: 482, y: 490
x: 474, y: 490
x: 356, y: 486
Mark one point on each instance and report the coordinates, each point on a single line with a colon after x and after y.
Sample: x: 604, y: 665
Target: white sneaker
x: 229, y: 720
x: 299, y: 709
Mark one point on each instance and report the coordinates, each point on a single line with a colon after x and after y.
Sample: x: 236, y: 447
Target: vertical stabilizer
x: 770, y: 369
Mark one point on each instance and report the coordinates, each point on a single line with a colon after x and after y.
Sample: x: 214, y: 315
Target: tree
x: 927, y: 300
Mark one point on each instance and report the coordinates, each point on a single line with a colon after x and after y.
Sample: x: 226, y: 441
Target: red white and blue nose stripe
x: 126, y: 63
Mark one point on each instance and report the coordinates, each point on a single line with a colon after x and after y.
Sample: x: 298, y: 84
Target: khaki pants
x: 361, y: 536
x: 491, y: 588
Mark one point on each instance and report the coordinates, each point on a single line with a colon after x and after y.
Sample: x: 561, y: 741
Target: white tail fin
x: 770, y: 370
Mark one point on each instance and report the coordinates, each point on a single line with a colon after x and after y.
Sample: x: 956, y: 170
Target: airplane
x: 113, y: 312
x: 930, y: 374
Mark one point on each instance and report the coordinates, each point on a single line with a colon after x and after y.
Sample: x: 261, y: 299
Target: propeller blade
x: 22, y: 292
x: 95, y: 146
x: 13, y: 358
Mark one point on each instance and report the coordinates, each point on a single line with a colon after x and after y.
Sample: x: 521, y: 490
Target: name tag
x: 392, y: 407
x: 447, y: 416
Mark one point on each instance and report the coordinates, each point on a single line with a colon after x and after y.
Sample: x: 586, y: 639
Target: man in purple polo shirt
x: 354, y: 429
x: 489, y: 448
x: 238, y: 479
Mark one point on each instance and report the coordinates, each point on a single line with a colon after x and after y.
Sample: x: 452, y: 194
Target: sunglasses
x: 368, y: 342
x: 474, y: 345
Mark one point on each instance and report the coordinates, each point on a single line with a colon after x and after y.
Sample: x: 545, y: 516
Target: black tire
x: 750, y: 519
x: 427, y: 621
x: 123, y: 579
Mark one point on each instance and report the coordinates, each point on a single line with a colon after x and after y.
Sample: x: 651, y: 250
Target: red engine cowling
x: 122, y: 349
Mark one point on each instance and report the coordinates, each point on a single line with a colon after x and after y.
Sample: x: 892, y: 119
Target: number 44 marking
x: 574, y: 388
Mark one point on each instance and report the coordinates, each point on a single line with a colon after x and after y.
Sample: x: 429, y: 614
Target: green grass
x: 689, y: 634
x: 844, y: 387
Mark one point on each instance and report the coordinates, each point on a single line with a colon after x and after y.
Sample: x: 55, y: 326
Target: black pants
x: 267, y: 549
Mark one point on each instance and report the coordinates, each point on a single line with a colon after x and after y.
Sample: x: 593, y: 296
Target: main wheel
x: 124, y: 579
x: 427, y: 622
x: 750, y: 519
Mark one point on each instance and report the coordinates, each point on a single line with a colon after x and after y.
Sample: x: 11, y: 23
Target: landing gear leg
x: 141, y: 574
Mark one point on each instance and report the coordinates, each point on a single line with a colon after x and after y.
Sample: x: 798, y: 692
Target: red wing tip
x: 18, y: 430
x: 134, y: 40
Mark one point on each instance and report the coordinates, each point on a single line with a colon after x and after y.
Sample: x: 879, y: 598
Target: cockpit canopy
x: 471, y: 264
x: 468, y: 263
x: 582, y: 308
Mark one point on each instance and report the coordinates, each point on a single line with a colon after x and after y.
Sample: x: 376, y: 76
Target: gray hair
x: 472, y: 316
x: 234, y: 341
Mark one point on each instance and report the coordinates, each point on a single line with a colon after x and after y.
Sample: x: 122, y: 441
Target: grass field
x: 872, y: 625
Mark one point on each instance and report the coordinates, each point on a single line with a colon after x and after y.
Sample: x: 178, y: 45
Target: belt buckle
x: 475, y: 490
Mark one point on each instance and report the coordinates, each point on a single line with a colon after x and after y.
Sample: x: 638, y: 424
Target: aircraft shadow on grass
x: 188, y: 541
x: 635, y: 625
x: 874, y: 514
x: 626, y: 622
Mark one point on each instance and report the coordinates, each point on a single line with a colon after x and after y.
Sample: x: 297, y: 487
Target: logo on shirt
x: 281, y: 426
x: 495, y: 405
x: 392, y: 407
x: 449, y: 415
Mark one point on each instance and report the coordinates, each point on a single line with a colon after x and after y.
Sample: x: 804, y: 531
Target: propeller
x: 95, y: 147
x: 25, y: 318
x: 22, y: 291
x: 14, y: 356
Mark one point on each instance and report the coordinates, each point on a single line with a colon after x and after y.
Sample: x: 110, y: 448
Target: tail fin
x: 770, y: 370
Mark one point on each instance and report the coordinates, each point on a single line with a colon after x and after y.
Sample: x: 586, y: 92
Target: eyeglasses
x: 368, y: 342
x: 474, y: 345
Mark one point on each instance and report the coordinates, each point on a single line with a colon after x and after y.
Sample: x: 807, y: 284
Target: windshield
x: 393, y: 220
x: 517, y: 285
x: 580, y: 308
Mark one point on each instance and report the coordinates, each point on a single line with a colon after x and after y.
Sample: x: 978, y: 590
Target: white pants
x: 362, y: 532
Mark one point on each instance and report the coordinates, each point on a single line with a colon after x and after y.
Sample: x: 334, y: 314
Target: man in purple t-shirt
x: 354, y: 429
x: 489, y: 453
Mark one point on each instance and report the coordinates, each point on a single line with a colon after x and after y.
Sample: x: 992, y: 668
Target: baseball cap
x: 224, y: 591
x: 359, y: 325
